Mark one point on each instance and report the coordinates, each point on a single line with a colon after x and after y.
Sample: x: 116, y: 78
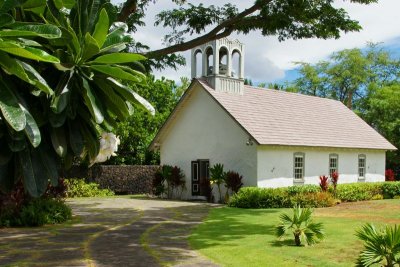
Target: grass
x: 245, y: 237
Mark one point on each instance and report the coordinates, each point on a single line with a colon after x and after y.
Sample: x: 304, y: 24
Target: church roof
x: 274, y: 117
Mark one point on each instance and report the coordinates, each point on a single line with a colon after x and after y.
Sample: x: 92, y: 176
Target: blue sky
x: 393, y: 46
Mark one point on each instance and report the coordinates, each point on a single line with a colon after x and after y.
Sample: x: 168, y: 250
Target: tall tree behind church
x: 349, y: 75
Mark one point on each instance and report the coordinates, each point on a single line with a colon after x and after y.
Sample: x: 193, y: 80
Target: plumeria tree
x: 63, y: 85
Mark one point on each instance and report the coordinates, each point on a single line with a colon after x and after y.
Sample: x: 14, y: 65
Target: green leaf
x: 59, y: 141
x: 113, y: 101
x: 115, y: 58
x: 42, y: 30
x: 34, y: 4
x: 131, y: 96
x: 31, y: 129
x: 57, y: 119
x: 91, y: 141
x: 91, y: 47
x: 75, y: 44
x: 9, y: 107
x: 35, y: 78
x: 6, y: 19
x: 7, y: 5
x: 34, y: 176
x: 76, y: 140
x: 12, y: 67
x: 92, y: 102
x: 27, y: 52
x: 64, y: 3
x: 16, y: 145
x: 116, y: 40
x: 115, y: 72
x: 61, y: 99
x: 49, y: 163
x: 101, y: 29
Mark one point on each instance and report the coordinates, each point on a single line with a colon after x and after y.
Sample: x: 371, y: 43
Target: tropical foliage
x: 139, y: 129
x: 170, y: 180
x: 301, y: 225
x: 217, y: 177
x: 63, y: 82
x: 381, y: 246
x: 80, y: 188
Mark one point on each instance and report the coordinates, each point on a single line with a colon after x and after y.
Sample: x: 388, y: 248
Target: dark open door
x: 200, y: 172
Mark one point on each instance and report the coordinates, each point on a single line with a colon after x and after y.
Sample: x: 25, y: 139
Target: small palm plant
x: 301, y: 225
x: 217, y: 176
x: 380, y: 246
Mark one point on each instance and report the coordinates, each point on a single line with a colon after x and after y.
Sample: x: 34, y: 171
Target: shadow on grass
x: 283, y: 243
x: 229, y: 224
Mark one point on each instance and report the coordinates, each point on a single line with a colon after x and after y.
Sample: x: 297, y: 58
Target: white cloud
x: 267, y: 58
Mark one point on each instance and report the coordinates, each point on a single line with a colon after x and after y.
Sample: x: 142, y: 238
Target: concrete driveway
x: 115, y: 231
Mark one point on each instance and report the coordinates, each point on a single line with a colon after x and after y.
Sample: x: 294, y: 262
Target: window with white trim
x: 361, y: 166
x: 298, y: 166
x: 333, y: 163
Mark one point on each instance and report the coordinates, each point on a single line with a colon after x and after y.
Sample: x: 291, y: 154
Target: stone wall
x: 122, y: 179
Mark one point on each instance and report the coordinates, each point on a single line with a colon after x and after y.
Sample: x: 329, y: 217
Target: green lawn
x: 245, y: 237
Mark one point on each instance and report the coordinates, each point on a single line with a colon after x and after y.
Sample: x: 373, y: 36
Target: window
x: 298, y: 166
x: 333, y: 163
x: 361, y: 166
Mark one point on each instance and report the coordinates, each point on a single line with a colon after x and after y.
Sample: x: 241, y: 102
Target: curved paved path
x: 116, y: 231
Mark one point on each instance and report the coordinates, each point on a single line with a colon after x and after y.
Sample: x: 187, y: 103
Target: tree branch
x: 227, y: 27
x: 129, y: 7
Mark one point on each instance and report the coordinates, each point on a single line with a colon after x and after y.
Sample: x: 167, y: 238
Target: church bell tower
x: 215, y: 65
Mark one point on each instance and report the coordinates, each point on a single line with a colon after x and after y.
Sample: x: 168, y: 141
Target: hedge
x: 311, y: 195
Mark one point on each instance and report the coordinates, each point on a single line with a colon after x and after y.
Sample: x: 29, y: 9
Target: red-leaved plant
x: 334, y: 180
x: 324, y: 183
x: 389, y: 175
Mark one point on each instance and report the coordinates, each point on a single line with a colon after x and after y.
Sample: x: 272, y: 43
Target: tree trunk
x: 297, y: 239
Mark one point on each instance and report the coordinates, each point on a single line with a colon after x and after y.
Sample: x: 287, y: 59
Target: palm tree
x: 301, y: 225
x: 218, y: 177
x: 380, y: 246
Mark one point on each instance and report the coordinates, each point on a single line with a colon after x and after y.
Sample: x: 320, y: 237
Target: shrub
x: 314, y: 200
x: 323, y: 183
x: 301, y: 225
x: 301, y: 189
x: 253, y: 197
x: 177, y: 179
x: 17, y: 208
x: 158, y: 186
x: 389, y: 175
x: 42, y: 211
x: 358, y: 191
x: 167, y: 179
x: 80, y: 188
x: 391, y: 189
x: 36, y: 212
x: 311, y: 195
x: 233, y: 181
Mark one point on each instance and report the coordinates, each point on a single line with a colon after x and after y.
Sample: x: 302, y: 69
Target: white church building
x: 273, y: 138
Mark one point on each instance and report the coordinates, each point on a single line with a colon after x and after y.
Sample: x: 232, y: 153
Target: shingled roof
x: 275, y: 117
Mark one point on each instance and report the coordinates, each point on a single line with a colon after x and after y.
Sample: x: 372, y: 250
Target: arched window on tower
x: 224, y: 61
x: 198, y: 63
x: 236, y: 63
x: 209, y: 61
